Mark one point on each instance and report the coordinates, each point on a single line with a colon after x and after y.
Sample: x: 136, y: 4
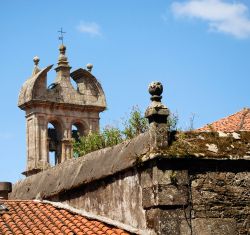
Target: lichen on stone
x: 208, y: 145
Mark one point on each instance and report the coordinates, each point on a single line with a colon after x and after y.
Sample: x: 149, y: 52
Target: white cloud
x: 222, y: 16
x: 90, y: 28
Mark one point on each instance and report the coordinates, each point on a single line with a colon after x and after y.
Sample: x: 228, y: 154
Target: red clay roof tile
x: 38, y: 218
x: 239, y: 121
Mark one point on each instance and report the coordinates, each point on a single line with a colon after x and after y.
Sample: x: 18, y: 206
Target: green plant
x: 110, y: 136
x: 136, y: 124
x: 89, y: 143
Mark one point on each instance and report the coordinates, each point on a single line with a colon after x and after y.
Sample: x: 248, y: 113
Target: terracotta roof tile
x: 239, y: 121
x: 38, y: 218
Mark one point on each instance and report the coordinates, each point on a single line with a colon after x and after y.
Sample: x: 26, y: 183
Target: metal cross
x: 61, y: 36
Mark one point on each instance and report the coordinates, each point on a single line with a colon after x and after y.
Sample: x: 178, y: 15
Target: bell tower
x: 57, y: 113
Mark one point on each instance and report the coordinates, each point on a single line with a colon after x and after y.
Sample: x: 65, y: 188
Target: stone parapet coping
x: 76, y: 172
x: 109, y: 161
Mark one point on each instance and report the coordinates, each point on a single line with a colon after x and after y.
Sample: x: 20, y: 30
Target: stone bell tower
x: 57, y: 113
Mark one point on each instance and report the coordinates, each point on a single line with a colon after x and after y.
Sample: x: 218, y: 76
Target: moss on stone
x: 208, y: 144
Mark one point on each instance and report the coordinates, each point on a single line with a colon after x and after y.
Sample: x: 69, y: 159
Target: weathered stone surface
x: 158, y: 192
x: 89, y: 91
x: 164, y: 187
x: 157, y: 115
x: 223, y: 195
x: 117, y: 197
x: 158, y: 136
x: 154, y: 176
x: 76, y: 172
x: 165, y: 195
x: 61, y: 105
x: 214, y: 227
x: 169, y: 222
x: 199, y: 145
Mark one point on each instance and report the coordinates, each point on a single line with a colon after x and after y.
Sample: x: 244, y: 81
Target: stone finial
x: 155, y: 89
x: 62, y: 49
x: 156, y: 112
x: 89, y: 67
x: 36, y: 68
x: 157, y: 115
x: 36, y: 60
x: 62, y: 59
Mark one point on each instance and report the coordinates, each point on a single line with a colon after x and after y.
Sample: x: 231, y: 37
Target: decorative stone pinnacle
x: 63, y: 67
x: 155, y: 89
x: 62, y: 60
x: 156, y: 111
x: 36, y: 68
x: 36, y: 60
x: 62, y: 49
x: 89, y: 67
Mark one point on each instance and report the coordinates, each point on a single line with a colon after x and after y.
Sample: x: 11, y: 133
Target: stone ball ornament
x: 62, y: 48
x: 156, y: 112
x: 36, y: 60
x: 89, y: 67
x: 155, y: 88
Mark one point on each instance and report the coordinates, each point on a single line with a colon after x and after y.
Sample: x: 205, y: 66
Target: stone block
x: 215, y: 226
x: 169, y: 222
x: 155, y: 176
x: 172, y: 195
x: 165, y: 195
x: 148, y: 197
x: 147, y: 177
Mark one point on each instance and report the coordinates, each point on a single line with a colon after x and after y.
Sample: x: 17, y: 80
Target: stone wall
x: 221, y: 202
x: 185, y: 188
x: 118, y: 198
x: 215, y: 201
x: 172, y: 196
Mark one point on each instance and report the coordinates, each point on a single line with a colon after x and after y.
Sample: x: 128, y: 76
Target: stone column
x: 165, y: 190
x: 30, y: 143
x: 66, y: 142
x: 43, y: 142
x: 66, y: 149
x: 32, y: 139
x: 157, y: 115
x: 37, y: 150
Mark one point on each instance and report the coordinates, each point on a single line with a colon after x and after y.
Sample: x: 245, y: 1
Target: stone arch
x: 78, y: 129
x: 55, y: 136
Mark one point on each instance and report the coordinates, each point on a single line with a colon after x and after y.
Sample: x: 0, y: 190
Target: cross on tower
x: 61, y: 36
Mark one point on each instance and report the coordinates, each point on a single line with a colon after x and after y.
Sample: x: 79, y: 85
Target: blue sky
x: 199, y: 50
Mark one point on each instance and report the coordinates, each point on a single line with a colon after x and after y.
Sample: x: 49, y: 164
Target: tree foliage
x: 135, y: 125
x: 110, y: 136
